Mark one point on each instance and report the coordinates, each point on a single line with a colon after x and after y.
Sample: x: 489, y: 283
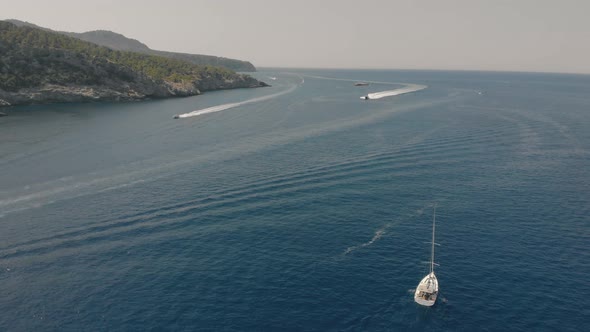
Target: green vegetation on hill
x: 31, y: 57
x: 119, y: 42
x: 208, y: 60
x: 111, y: 40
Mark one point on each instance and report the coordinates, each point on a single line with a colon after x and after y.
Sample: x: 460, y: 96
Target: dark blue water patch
x: 305, y: 213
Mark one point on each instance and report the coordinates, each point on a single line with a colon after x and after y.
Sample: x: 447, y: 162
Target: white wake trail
x: 408, y: 87
x: 223, y: 107
x: 378, y: 234
x: 390, y: 93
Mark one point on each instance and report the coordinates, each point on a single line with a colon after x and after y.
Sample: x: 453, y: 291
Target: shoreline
x: 49, y: 95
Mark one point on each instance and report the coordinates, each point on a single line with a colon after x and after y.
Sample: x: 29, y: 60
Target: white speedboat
x: 427, y: 289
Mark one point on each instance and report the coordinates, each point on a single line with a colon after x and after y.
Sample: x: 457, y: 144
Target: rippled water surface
x: 309, y: 210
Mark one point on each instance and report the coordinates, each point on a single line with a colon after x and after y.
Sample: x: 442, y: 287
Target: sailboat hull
x: 427, y: 290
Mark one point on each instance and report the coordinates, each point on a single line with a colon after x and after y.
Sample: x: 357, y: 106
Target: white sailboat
x: 427, y: 289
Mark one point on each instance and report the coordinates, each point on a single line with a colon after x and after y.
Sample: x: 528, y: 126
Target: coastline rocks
x: 59, y: 94
x: 50, y: 93
x: 221, y: 83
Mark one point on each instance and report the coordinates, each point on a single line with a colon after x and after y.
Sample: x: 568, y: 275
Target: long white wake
x: 223, y: 107
x: 390, y: 93
x: 408, y: 87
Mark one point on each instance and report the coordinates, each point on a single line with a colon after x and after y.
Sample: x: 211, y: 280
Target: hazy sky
x: 520, y: 35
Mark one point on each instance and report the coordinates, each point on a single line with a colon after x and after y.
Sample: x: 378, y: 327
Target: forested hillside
x: 32, y: 58
x: 119, y: 42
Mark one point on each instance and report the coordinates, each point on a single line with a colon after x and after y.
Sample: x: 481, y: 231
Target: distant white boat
x: 427, y: 289
x: 272, y: 78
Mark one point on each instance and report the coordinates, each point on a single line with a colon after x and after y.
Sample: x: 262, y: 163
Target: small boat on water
x: 427, y: 289
x: 361, y: 84
x: 177, y: 116
x: 365, y: 97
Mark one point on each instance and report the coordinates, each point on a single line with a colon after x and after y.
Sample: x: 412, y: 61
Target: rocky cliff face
x: 51, y: 93
x: 219, y: 82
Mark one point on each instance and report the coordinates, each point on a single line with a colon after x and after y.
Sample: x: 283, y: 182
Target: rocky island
x: 41, y: 66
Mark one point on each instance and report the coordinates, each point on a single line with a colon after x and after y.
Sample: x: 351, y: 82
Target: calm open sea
x: 309, y: 210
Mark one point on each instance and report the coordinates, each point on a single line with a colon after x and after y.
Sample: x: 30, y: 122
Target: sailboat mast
x: 433, y: 227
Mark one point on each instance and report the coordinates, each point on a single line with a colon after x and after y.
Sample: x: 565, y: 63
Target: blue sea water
x: 310, y: 211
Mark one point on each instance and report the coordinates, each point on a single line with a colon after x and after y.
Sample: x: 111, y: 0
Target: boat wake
x: 408, y: 87
x: 378, y: 234
x: 224, y: 107
x: 390, y: 93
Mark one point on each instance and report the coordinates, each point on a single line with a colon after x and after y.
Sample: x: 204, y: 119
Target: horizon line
x: 426, y: 70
